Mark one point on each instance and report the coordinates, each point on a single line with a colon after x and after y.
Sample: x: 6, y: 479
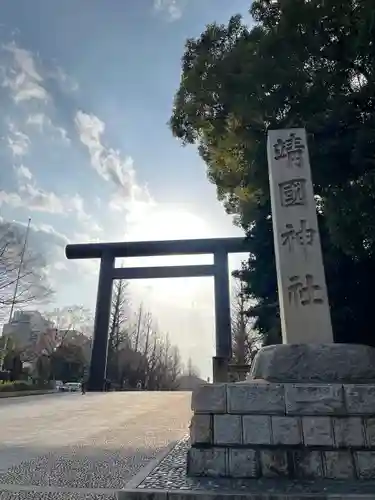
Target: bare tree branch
x: 246, y: 341
x: 69, y: 320
x: 33, y: 286
x: 119, y: 333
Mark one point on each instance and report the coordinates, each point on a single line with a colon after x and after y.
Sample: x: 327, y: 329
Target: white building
x: 26, y: 328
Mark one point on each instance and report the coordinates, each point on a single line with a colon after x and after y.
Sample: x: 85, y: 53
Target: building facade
x: 30, y: 328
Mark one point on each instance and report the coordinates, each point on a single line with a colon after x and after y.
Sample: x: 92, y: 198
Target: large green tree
x: 67, y: 363
x: 308, y: 63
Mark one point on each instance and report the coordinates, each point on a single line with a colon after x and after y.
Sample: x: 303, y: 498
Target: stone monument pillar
x: 307, y: 409
x: 304, y: 308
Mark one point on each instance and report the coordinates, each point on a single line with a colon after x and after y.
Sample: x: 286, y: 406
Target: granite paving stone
x: 170, y: 474
x: 96, y: 441
x: 54, y: 495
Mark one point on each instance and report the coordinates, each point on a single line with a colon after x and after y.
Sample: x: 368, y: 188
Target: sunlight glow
x: 172, y: 223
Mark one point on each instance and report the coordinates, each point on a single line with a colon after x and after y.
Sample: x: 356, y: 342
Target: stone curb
x: 136, y: 480
x: 32, y: 488
x: 139, y: 494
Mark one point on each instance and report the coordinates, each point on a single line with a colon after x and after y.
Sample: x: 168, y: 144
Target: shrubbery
x: 21, y: 385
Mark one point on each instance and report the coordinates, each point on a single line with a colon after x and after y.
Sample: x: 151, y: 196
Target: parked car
x: 70, y: 387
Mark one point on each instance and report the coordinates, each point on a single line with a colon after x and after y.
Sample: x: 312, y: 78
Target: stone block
x: 152, y: 494
x: 315, y: 363
x: 274, y: 463
x: 369, y: 426
x: 307, y: 464
x: 360, y: 399
x: 317, y: 431
x: 243, y: 463
x: 256, y: 429
x: 227, y: 429
x: 255, y: 397
x: 312, y: 399
x: 365, y: 463
x: 201, y: 429
x: 207, y: 462
x: 348, y: 432
x: 338, y: 464
x: 209, y: 398
x: 286, y: 430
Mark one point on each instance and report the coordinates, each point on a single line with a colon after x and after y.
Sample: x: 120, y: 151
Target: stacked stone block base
x: 298, y: 431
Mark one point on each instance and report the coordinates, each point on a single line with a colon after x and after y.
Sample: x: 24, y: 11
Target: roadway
x: 73, y: 446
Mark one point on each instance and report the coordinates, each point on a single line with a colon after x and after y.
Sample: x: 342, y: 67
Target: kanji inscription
x: 303, y: 291
x: 293, y: 192
x: 302, y: 235
x: 303, y: 298
x: 292, y: 149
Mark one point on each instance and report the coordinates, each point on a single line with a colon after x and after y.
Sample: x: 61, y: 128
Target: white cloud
x: 85, y: 238
x: 42, y: 121
x: 40, y: 200
x: 23, y: 173
x: 60, y: 239
x: 26, y: 78
x: 18, y: 142
x: 37, y: 119
x: 63, y: 133
x: 109, y: 164
x: 43, y: 237
x: 34, y: 198
x: 172, y: 8
x: 22, y: 77
x: 12, y: 199
x: 60, y: 266
x: 50, y: 243
x: 75, y: 204
x: 135, y: 207
x: 65, y: 80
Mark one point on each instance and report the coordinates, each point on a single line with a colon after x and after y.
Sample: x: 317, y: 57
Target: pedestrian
x: 83, y: 387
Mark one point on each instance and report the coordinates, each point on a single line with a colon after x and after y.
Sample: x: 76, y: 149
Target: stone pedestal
x: 305, y: 430
x: 328, y: 363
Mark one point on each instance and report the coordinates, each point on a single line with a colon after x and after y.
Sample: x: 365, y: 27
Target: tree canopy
x: 303, y: 63
x: 67, y: 363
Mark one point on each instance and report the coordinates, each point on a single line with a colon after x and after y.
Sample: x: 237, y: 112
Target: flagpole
x: 16, y: 289
x: 19, y: 270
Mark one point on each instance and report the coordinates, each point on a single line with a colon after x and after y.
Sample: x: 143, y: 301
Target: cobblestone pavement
x: 84, y: 447
x: 170, y: 474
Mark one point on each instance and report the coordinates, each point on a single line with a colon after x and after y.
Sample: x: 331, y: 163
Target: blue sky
x: 86, y: 92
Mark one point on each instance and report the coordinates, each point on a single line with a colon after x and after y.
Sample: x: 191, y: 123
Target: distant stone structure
x: 189, y: 382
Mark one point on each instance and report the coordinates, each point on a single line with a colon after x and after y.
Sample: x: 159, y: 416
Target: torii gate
x: 108, y: 252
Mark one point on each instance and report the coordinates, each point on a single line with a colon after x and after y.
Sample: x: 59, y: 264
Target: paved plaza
x: 85, y: 447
